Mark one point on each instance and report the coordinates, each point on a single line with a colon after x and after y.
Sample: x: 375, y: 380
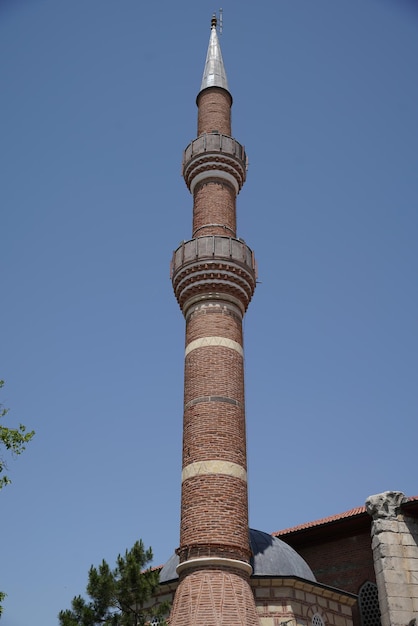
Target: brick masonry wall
x: 214, y: 506
x: 216, y: 320
x: 215, y: 597
x: 344, y: 563
x: 204, y: 439
x: 214, y: 111
x: 214, y: 371
x: 214, y: 517
x: 214, y: 204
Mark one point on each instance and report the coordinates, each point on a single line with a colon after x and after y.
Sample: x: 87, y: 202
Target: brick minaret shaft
x: 214, y: 278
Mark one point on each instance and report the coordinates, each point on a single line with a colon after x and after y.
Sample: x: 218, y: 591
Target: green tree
x: 14, y: 441
x: 118, y: 597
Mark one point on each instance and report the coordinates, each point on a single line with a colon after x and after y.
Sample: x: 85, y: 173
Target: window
x: 369, y: 605
x: 317, y: 620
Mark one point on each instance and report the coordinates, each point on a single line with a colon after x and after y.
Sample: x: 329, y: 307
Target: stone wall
x: 295, y: 602
x: 395, y: 553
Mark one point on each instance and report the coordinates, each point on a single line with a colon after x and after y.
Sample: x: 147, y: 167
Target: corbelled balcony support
x: 213, y: 268
x: 214, y: 155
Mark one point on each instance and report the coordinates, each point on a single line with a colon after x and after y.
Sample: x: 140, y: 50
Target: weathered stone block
x: 281, y: 592
x: 394, y: 549
x: 262, y: 593
x: 384, y: 505
x: 401, y: 618
x: 296, y: 608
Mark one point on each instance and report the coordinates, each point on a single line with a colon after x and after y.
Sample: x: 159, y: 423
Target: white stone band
x: 215, y: 562
x: 214, y: 174
x: 214, y: 341
x: 214, y: 467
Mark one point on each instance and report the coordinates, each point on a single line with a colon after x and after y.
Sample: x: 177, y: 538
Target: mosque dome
x: 271, y: 557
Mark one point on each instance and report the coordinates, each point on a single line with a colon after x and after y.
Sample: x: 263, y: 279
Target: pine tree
x: 118, y: 597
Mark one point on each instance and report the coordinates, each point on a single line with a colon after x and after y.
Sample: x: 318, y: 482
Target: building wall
x: 344, y: 563
x: 341, y: 560
x: 291, y: 601
x: 296, y: 602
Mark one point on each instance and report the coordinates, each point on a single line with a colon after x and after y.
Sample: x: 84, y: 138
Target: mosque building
x: 326, y: 573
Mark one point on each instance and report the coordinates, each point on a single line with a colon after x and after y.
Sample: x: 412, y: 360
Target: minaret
x: 214, y: 278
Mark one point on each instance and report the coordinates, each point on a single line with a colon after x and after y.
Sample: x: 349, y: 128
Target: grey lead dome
x: 271, y: 557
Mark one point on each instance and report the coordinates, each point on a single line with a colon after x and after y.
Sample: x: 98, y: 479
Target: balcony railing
x: 215, y: 247
x: 215, y: 142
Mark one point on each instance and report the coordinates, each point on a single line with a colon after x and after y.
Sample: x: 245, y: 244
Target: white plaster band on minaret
x: 215, y: 173
x: 215, y: 562
x: 203, y: 342
x: 227, y: 468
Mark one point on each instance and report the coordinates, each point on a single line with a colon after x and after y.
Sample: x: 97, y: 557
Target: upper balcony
x: 215, y: 154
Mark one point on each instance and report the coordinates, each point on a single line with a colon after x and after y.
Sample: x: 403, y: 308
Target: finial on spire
x: 214, y: 74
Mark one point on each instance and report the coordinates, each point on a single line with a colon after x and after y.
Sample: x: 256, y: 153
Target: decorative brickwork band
x: 207, y: 308
x: 226, y: 554
x: 214, y: 341
x: 214, y: 467
x: 202, y: 399
x: 215, y: 598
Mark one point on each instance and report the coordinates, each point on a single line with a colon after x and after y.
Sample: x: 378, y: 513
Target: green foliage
x: 13, y: 439
x: 2, y: 596
x: 118, y: 597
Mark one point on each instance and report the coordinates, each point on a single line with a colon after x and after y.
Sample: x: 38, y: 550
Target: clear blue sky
x: 98, y: 102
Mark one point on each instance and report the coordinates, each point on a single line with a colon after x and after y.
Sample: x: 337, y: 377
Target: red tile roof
x: 321, y: 522
x: 352, y: 513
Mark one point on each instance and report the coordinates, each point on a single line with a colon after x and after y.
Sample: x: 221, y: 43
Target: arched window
x: 369, y: 605
x: 317, y: 620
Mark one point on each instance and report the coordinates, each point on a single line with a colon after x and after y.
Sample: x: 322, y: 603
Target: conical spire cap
x: 214, y: 74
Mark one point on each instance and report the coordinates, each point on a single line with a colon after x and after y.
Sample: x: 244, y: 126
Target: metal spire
x: 214, y: 74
